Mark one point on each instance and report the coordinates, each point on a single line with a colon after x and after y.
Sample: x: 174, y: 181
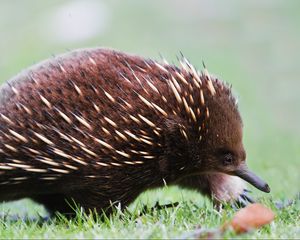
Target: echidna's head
x: 211, y: 130
x: 221, y: 148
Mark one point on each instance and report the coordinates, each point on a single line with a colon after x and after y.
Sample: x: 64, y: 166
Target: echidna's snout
x: 245, y: 173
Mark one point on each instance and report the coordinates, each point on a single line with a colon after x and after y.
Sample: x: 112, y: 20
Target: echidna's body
x: 99, y: 126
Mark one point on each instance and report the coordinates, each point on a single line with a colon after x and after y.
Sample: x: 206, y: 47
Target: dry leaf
x: 251, y: 217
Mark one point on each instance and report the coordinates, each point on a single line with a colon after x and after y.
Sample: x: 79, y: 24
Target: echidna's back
x: 48, y: 114
x: 63, y: 119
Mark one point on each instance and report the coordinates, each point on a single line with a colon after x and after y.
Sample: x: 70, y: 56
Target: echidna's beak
x: 244, y: 173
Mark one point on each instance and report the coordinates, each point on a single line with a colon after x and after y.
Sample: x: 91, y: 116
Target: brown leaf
x: 251, y: 217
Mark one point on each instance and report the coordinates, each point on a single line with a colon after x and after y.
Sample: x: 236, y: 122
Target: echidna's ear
x: 174, y: 145
x: 173, y: 135
x: 172, y: 125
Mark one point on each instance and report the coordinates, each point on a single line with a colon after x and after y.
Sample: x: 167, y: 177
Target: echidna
x: 98, y: 126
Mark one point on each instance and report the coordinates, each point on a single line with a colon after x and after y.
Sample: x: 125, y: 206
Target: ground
x: 253, y: 45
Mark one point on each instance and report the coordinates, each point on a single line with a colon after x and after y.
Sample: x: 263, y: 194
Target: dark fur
x: 176, y: 160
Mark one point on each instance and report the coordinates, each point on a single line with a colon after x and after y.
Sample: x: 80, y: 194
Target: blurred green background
x: 254, y: 45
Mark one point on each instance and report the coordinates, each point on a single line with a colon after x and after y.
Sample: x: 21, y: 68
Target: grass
x: 253, y: 45
x: 177, y: 222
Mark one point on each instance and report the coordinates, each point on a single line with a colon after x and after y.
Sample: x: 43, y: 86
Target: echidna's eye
x: 226, y: 156
x: 227, y: 159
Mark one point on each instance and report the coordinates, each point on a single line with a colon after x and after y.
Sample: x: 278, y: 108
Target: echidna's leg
x: 56, y: 203
x: 221, y: 187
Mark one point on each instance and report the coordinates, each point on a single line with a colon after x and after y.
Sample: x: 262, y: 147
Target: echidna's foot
x: 230, y: 190
x: 157, y: 207
x: 224, y: 189
x: 243, y: 200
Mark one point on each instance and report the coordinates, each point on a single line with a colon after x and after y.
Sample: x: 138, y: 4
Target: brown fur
x: 71, y: 164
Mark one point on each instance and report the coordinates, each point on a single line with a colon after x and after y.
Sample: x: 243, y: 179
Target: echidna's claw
x: 247, y: 197
x: 240, y: 202
x: 247, y: 190
x: 243, y: 200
